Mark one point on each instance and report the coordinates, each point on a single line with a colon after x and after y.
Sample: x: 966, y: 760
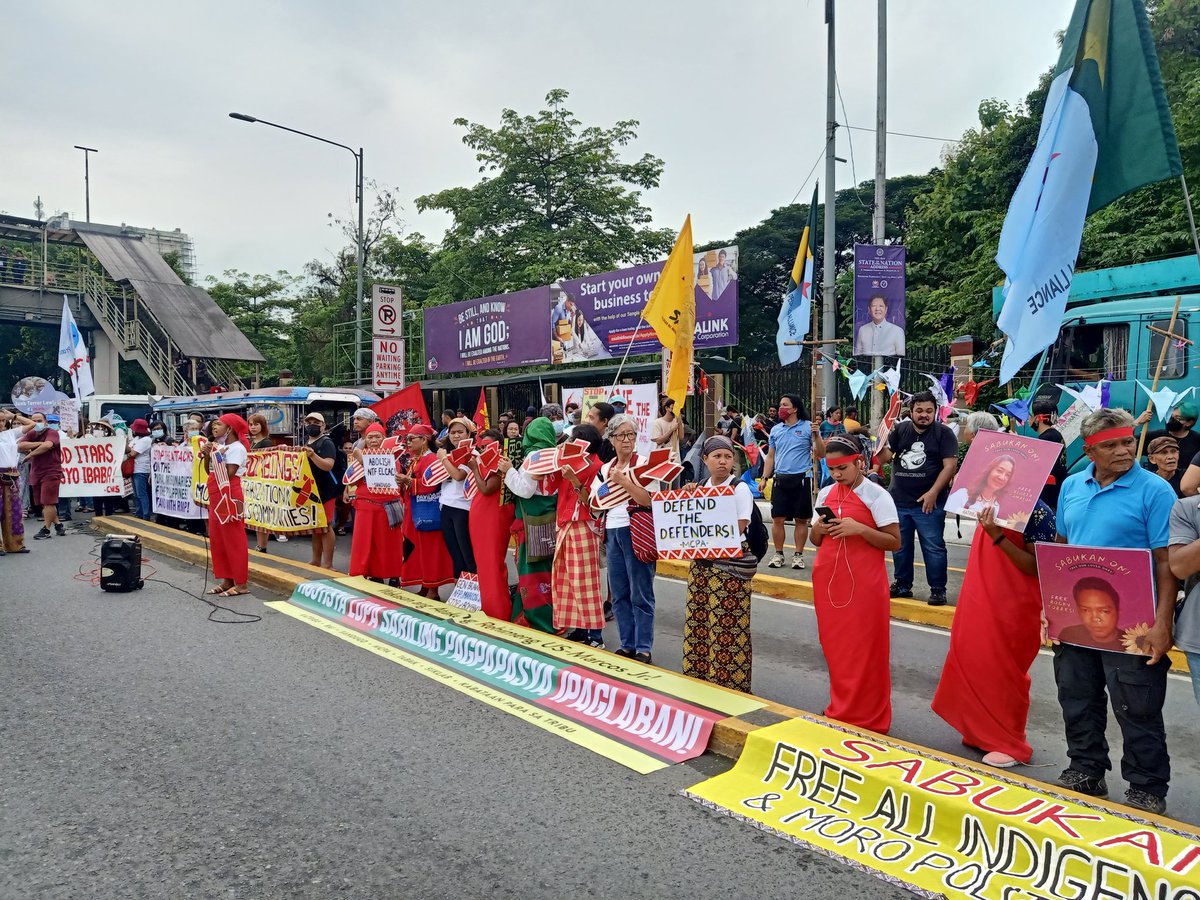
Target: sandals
x: 233, y: 592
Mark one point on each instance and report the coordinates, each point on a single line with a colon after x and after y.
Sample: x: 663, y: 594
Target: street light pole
x: 360, y: 253
x: 87, y: 190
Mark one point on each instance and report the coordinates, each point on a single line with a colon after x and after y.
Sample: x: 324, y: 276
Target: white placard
x: 387, y: 371
x: 91, y: 466
x: 702, y: 524
x: 466, y: 592
x: 171, y: 482
x: 386, y: 308
x: 641, y: 402
x: 380, y: 471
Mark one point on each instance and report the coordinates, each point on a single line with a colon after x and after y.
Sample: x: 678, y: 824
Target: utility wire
x: 924, y: 137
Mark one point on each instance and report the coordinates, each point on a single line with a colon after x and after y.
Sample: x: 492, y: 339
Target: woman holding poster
x: 536, y: 511
x: 429, y: 563
x: 377, y: 549
x: 716, y: 625
x: 575, y: 572
x: 225, y: 457
x: 855, y: 524
x: 984, y: 689
x: 491, y: 522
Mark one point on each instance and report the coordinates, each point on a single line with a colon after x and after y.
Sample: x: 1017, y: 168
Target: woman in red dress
x: 377, y: 549
x: 850, y: 588
x: 429, y: 563
x: 490, y: 524
x: 575, y: 590
x: 984, y: 689
x: 225, y: 456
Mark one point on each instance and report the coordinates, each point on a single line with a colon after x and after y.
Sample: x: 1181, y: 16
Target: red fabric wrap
x: 1108, y: 434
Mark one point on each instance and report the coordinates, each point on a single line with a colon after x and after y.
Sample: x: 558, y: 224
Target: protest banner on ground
x: 699, y: 524
x: 643, y: 718
x: 1098, y: 597
x: 91, y: 466
x: 1005, y: 472
x: 940, y: 827
x: 379, y: 472
x: 280, y: 491
x: 171, y: 482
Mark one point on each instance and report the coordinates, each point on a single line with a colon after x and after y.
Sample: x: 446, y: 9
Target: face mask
x: 312, y: 430
x: 39, y: 427
x: 158, y: 435
x: 53, y: 426
x: 559, y: 425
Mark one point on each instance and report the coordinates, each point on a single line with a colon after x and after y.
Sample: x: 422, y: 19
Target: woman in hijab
x: 225, y: 458
x: 535, y: 520
x: 377, y: 549
x: 429, y: 563
x: 716, y: 627
x: 575, y: 571
x: 490, y: 523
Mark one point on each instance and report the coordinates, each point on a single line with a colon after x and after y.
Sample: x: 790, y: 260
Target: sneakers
x: 42, y: 535
x: 281, y: 538
x: 936, y: 598
x: 896, y: 591
x: 59, y: 529
x: 1146, y: 801
x: 595, y: 645
x: 797, y: 561
x: 776, y: 561
x: 1086, y: 784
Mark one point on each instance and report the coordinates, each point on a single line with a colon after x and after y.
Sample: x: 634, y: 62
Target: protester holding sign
x: 850, y: 587
x: 575, y: 574
x: 322, y: 455
x: 377, y: 548
x: 984, y: 688
x: 456, y: 506
x: 225, y: 457
x: 260, y: 439
x: 716, y: 626
x: 139, y: 452
x: 536, y: 514
x: 429, y: 564
x: 490, y: 524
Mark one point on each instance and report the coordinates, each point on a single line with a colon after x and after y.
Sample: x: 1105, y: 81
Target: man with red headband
x: 1117, y: 503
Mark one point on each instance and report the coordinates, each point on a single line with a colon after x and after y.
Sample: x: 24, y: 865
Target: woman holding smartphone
x: 850, y: 587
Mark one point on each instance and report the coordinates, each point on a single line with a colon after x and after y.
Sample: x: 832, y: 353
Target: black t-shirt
x: 917, y: 460
x: 1058, y: 474
x: 327, y: 485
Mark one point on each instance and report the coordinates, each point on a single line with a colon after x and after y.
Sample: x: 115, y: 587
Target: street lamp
x: 361, y: 247
x: 87, y: 191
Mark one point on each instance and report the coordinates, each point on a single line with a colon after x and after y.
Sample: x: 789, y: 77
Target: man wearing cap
x: 322, y: 455
x: 45, y: 471
x: 139, y: 451
x: 1114, y: 502
x: 1179, y: 426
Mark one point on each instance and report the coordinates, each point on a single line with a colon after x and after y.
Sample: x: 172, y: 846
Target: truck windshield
x: 1089, y: 352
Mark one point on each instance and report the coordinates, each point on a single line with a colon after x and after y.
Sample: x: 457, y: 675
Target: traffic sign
x: 387, y: 370
x: 386, y: 305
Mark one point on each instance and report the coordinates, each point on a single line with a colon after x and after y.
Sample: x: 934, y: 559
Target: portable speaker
x: 121, y: 563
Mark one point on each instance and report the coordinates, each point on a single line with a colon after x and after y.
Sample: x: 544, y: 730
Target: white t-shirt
x: 454, y: 493
x: 743, y: 500
x: 235, y: 455
x: 618, y: 517
x: 9, y: 454
x: 875, y: 498
x: 141, y: 446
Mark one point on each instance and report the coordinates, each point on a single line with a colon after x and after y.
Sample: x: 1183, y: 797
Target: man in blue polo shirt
x: 1117, y: 503
x: 789, y: 461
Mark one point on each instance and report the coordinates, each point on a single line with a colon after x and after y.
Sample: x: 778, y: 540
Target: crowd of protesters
x: 579, y: 565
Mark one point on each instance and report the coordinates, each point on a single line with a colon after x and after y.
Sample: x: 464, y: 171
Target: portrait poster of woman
x: 1004, y: 472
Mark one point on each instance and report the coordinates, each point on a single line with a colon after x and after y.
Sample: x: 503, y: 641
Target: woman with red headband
x: 225, y: 458
x: 850, y: 587
x: 429, y: 563
x: 377, y: 549
x: 491, y: 523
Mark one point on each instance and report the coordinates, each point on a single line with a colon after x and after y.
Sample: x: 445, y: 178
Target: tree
x: 263, y: 308
x: 557, y: 201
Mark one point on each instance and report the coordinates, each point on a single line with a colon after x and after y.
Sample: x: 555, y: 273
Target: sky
x: 730, y: 96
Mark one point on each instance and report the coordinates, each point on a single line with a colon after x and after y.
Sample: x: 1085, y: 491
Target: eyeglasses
x: 625, y: 436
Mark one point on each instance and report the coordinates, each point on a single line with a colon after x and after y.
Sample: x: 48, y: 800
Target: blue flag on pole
x: 795, y: 315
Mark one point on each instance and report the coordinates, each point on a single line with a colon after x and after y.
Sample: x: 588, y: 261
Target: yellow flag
x: 671, y: 312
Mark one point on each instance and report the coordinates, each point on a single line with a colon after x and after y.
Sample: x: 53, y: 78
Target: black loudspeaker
x: 121, y: 563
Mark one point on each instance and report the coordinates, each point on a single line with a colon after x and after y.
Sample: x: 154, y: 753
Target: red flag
x: 481, y: 414
x: 403, y: 409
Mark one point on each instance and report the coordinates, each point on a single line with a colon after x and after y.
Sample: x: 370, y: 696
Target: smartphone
x: 827, y: 515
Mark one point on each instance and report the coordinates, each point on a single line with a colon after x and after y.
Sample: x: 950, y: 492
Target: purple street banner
x: 595, y: 317
x: 879, y: 300
x: 499, y: 332
x: 1004, y: 472
x: 1098, y: 597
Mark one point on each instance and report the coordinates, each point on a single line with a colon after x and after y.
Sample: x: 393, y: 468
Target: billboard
x: 577, y: 319
x: 878, y: 300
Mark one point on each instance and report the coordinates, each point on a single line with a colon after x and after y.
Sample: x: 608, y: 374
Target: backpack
x: 756, y: 533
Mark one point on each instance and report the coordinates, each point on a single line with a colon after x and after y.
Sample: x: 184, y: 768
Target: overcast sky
x: 730, y: 95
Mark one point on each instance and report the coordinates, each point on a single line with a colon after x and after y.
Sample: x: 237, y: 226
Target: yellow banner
x: 279, y: 488
x: 942, y: 828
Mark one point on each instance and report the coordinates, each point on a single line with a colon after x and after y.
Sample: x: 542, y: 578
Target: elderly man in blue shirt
x: 1117, y: 503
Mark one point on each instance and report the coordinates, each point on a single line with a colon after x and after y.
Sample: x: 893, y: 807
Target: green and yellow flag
x: 671, y: 312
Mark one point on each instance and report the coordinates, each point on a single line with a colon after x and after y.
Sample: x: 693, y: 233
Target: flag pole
x: 1187, y: 203
x: 1162, y: 355
x: 628, y: 347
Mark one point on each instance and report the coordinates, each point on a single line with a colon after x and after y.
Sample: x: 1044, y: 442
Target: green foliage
x: 28, y: 351
x: 263, y: 308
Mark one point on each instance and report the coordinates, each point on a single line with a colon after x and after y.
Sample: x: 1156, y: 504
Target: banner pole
x: 1162, y: 355
x: 628, y: 347
x: 1187, y: 203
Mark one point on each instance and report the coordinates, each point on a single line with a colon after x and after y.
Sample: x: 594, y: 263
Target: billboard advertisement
x: 879, y: 300
x: 499, y: 332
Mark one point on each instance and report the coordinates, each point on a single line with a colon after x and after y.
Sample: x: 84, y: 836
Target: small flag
x: 481, y: 413
x: 73, y: 355
x: 795, y: 316
x: 435, y: 473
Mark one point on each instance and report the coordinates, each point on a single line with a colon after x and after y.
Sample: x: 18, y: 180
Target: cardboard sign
x: 641, y: 402
x: 171, y: 482
x: 379, y: 472
x: 466, y: 592
x: 91, y: 466
x: 280, y: 491
x: 701, y: 524
x: 1004, y: 472
x: 1098, y: 597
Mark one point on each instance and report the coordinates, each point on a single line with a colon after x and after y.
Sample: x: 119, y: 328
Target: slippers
x: 233, y: 592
